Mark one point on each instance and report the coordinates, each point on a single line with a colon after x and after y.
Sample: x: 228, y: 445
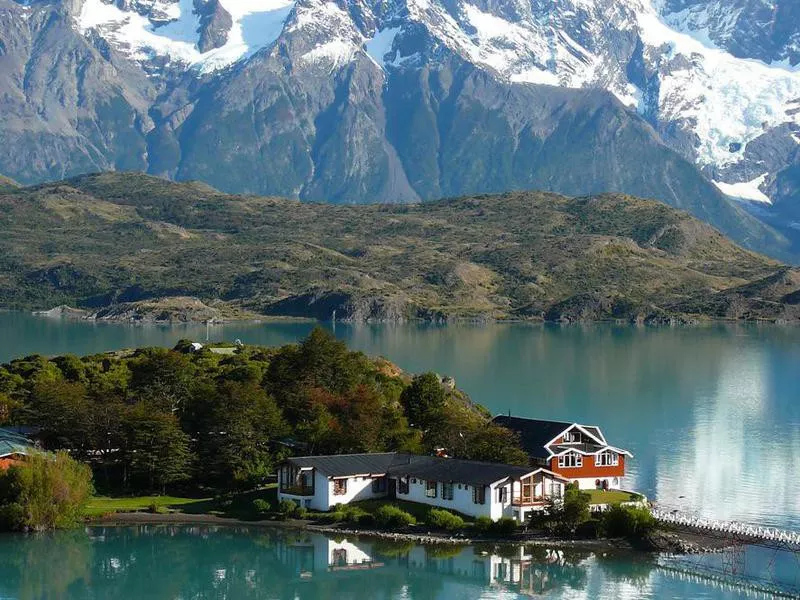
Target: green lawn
x: 239, y: 505
x: 611, y: 496
x: 102, y: 505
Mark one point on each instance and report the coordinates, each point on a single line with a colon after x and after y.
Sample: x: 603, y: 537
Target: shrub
x: 287, y: 507
x: 483, y: 524
x: 444, y: 519
x: 627, y: 521
x: 157, y: 509
x: 366, y: 520
x: 336, y: 516
x: 47, y: 492
x: 301, y: 512
x: 393, y: 517
x: 261, y: 506
x: 504, y: 527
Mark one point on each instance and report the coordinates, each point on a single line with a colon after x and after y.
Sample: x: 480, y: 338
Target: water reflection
x: 176, y: 562
x: 213, y: 562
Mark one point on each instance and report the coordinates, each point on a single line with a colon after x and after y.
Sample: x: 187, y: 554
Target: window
x: 478, y: 494
x: 527, y: 487
x: 431, y: 488
x: 339, y: 487
x: 571, y: 460
x: 502, y: 494
x: 402, y: 485
x: 447, y: 491
x: 339, y: 557
x: 607, y: 459
x: 379, y: 485
x: 571, y: 437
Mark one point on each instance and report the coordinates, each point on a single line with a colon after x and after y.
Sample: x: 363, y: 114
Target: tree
x: 566, y: 516
x: 8, y: 406
x: 46, y: 492
x: 492, y: 443
x: 424, y: 401
x: 156, y: 449
x: 237, y: 430
x: 162, y: 378
x: 62, y: 410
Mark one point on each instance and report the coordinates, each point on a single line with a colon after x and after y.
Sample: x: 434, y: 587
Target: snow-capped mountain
x: 357, y: 100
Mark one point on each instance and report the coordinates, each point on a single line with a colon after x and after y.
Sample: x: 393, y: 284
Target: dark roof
x: 533, y: 433
x: 431, y: 468
x: 13, y: 443
x: 455, y: 470
x: 343, y: 465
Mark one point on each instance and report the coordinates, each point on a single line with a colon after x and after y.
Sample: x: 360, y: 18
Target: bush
x: 287, y: 507
x: 627, y: 521
x: 336, y: 516
x: 483, y: 524
x: 301, y: 512
x: 157, y: 509
x: 504, y: 527
x: 366, y: 520
x: 444, y: 519
x: 47, y: 492
x: 261, y: 506
x: 393, y: 517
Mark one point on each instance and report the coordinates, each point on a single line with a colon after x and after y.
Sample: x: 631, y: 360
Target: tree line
x: 154, y: 419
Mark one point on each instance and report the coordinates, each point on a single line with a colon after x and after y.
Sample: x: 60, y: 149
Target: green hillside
x: 111, y: 239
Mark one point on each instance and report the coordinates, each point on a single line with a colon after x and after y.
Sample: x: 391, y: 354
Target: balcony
x: 530, y: 500
x: 297, y: 490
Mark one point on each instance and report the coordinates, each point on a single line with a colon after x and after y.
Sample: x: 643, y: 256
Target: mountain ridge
x: 398, y: 101
x: 106, y: 240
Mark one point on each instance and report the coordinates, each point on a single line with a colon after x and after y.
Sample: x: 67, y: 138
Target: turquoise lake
x: 183, y: 562
x: 711, y: 414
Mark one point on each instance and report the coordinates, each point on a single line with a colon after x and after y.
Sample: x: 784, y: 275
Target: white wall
x: 461, y: 502
x: 358, y: 488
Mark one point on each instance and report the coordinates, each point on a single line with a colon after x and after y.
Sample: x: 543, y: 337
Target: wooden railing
x: 529, y: 500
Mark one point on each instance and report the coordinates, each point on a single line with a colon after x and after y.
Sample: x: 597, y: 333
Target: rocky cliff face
x: 402, y: 100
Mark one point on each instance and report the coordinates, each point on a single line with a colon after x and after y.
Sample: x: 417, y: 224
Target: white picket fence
x: 732, y: 528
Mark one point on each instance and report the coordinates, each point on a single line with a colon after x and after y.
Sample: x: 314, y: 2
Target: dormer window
x: 570, y: 461
x: 572, y: 437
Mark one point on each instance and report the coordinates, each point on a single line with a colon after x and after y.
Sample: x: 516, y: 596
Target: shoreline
x: 682, y: 321
x: 669, y: 543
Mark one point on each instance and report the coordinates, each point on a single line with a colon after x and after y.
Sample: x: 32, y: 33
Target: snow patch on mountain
x: 381, y: 44
x: 727, y: 101
x: 256, y: 24
x: 747, y: 190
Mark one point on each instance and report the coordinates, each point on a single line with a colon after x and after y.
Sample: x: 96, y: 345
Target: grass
x: 103, y: 505
x: 238, y: 506
x: 612, y: 496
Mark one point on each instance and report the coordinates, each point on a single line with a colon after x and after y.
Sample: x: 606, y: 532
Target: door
x: 392, y: 488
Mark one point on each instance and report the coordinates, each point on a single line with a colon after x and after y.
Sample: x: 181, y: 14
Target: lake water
x: 182, y: 562
x: 712, y: 415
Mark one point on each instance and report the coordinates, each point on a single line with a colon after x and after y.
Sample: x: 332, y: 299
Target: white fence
x: 728, y: 527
